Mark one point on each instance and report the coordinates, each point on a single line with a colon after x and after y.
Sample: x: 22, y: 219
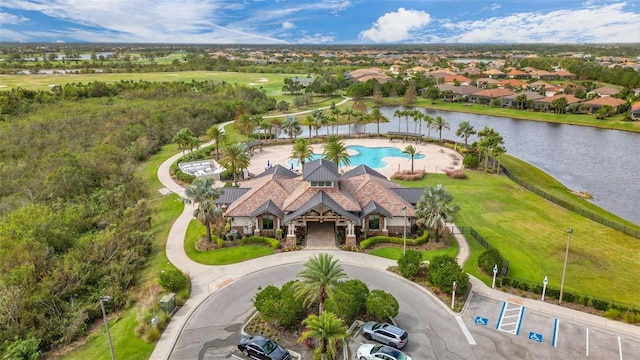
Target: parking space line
x: 587, y: 342
x: 554, y: 341
x: 511, y: 318
x: 465, y: 331
x: 620, y: 347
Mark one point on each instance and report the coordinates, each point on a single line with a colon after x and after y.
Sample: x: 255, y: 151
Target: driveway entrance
x: 321, y: 235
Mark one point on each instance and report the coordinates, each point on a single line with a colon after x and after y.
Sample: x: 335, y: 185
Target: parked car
x: 377, y: 351
x: 385, y: 333
x: 261, y: 348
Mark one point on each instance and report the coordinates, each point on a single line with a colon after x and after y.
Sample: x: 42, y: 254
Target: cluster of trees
x: 323, y: 283
x: 74, y: 219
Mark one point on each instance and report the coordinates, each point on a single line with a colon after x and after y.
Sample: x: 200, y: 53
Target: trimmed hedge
x: 274, y: 243
x: 367, y: 243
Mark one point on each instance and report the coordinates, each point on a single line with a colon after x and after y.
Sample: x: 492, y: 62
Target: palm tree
x: 429, y: 120
x: 320, y: 275
x: 218, y: 135
x: 302, y: 151
x: 185, y: 139
x: 438, y: 124
x: 378, y: 117
x: 320, y: 119
x: 244, y: 124
x: 328, y: 330
x: 235, y: 158
x: 434, y: 209
x: 334, y: 150
x: 398, y: 113
x: 309, y: 121
x: 417, y: 116
x: 204, y: 194
x: 411, y: 151
x: 291, y: 127
x: 465, y: 130
x: 489, y: 141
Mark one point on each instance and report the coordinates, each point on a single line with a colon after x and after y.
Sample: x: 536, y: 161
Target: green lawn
x: 395, y: 252
x: 531, y: 233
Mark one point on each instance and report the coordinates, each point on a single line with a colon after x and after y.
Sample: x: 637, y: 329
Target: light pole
x: 495, y: 272
x: 106, y: 323
x: 404, y: 232
x: 544, y: 287
x: 453, y: 293
x: 564, y: 269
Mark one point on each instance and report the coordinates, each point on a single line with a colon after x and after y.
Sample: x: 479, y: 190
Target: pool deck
x: 437, y: 158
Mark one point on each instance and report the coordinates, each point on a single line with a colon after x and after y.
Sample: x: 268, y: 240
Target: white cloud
x: 288, y: 25
x: 316, y: 39
x: 494, y: 7
x: 605, y: 24
x: 6, y: 18
x: 396, y: 26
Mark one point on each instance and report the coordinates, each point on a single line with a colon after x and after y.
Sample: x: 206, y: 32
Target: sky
x: 316, y: 22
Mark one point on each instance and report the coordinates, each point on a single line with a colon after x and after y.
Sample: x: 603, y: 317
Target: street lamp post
x: 106, y: 323
x: 404, y: 233
x: 564, y: 268
x: 495, y: 272
x: 544, y: 286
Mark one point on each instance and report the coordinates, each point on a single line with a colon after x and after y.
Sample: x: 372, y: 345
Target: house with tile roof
x: 635, y: 111
x: 510, y: 100
x: 605, y: 91
x: 544, y: 104
x: 349, y: 203
x: 460, y: 79
x: 596, y: 104
x: 487, y: 95
x: 494, y: 74
x: 456, y: 93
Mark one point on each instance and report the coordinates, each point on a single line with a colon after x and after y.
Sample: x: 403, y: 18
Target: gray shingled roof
x: 372, y: 207
x: 320, y: 170
x: 231, y: 194
x: 322, y: 198
x: 268, y: 207
x: 410, y: 195
x: 279, y: 170
x: 362, y: 169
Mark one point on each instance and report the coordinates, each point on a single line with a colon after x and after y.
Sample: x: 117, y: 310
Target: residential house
x: 544, y: 104
x: 456, y: 93
x: 517, y: 74
x: 596, y: 104
x: 487, y: 83
x: 510, y: 100
x: 605, y: 91
x: 512, y: 84
x: 635, y: 111
x: 459, y: 79
x: 362, y: 75
x: 362, y: 200
x: 487, y: 95
x: 494, y: 74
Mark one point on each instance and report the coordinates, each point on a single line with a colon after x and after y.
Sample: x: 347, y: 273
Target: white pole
x: 495, y: 272
x: 106, y: 324
x: 453, y: 294
x: 564, y: 268
x: 404, y: 233
x: 544, y: 287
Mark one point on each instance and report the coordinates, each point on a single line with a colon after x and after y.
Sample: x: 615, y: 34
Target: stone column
x: 291, y: 235
x: 350, y: 236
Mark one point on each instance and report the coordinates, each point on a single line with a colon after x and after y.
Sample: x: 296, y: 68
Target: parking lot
x: 540, y: 335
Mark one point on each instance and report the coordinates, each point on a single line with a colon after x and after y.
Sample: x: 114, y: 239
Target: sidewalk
x: 206, y: 280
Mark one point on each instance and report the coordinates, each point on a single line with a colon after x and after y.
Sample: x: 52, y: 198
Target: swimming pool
x: 363, y: 155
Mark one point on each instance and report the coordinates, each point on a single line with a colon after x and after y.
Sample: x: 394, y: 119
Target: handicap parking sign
x: 535, y: 336
x: 481, y: 321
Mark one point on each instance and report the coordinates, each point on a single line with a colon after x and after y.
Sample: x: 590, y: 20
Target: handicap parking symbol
x: 481, y: 321
x: 535, y: 336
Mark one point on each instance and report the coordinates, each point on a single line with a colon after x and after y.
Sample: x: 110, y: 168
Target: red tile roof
x: 607, y: 100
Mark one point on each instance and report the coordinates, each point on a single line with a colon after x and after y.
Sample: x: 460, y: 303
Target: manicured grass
x: 224, y: 256
x: 394, y: 253
x: 531, y: 233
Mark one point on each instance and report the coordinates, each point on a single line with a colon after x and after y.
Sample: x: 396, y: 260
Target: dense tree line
x: 74, y: 219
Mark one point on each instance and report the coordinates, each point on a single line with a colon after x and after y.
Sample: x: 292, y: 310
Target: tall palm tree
x: 429, y: 120
x: 291, y: 127
x: 335, y: 150
x: 328, y: 330
x: 320, y: 119
x: 378, y: 117
x: 309, y: 121
x: 438, y: 124
x: 465, y: 130
x: 411, y: 151
x: 320, y: 275
x: 336, y: 112
x: 302, y: 151
x: 218, y: 135
x: 235, y: 158
x: 202, y: 193
x: 185, y: 139
x: 398, y: 113
x: 434, y: 209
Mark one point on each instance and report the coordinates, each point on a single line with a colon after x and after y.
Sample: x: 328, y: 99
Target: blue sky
x: 320, y: 21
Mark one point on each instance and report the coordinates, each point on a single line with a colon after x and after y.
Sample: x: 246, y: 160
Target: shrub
x: 470, y: 160
x: 394, y: 240
x: 488, y: 259
x: 601, y: 305
x: 456, y: 174
x: 348, y: 300
x: 263, y: 296
x: 409, y: 263
x: 173, y: 280
x: 382, y: 305
x: 444, y: 270
x: 274, y: 243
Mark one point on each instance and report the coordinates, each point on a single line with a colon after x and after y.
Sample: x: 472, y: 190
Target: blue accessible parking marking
x: 535, y: 336
x: 481, y: 321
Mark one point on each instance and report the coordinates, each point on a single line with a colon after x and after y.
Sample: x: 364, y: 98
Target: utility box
x: 168, y: 303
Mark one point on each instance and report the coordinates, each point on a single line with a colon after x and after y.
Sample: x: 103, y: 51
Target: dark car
x: 261, y: 348
x: 385, y: 333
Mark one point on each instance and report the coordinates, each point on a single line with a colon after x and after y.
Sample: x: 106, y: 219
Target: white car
x: 384, y: 352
